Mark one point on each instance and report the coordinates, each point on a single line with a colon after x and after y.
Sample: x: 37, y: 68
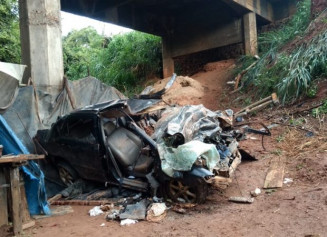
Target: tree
x: 81, y: 51
x: 9, y: 32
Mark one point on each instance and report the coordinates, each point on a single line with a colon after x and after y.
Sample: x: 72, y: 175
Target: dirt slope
x: 207, y: 87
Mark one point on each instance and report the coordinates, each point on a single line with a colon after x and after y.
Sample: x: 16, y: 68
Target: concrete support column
x: 250, y: 34
x: 167, y: 59
x: 41, y: 43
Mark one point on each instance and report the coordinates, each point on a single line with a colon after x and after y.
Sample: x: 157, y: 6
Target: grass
x: 289, y: 73
x: 322, y: 110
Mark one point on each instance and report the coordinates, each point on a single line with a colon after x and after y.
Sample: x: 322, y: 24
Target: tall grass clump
x: 288, y: 73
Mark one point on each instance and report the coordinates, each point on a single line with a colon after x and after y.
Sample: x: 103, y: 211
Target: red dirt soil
x: 206, y: 87
x: 297, y: 209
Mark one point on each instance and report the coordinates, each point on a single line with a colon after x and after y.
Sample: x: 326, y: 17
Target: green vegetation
x: 288, y: 73
x: 81, y: 51
x: 122, y: 61
x: 9, y: 32
x: 320, y: 110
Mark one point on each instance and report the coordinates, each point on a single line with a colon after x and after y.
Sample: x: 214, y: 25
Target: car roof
x: 130, y: 106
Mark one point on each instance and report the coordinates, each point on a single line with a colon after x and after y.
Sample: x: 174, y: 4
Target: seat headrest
x: 109, y: 127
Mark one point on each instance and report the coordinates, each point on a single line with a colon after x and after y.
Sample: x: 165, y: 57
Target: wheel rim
x: 179, y: 190
x: 65, y: 176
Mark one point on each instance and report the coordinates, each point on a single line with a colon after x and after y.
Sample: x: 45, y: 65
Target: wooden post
x: 3, y: 199
x: 167, y: 60
x: 16, y: 200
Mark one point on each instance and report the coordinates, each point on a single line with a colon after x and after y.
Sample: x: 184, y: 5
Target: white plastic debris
x: 103, y: 224
x: 158, y: 208
x: 156, y: 212
x: 256, y: 192
x: 288, y: 180
x: 95, y: 211
x: 128, y: 222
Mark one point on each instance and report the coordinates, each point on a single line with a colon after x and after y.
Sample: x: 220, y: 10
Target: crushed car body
x: 141, y: 145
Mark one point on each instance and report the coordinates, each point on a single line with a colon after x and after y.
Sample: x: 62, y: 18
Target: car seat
x: 127, y: 147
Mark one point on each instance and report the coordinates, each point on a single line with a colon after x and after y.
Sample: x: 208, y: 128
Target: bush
x: 123, y: 61
x: 130, y: 59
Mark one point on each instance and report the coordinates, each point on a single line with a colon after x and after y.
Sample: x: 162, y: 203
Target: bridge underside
x: 186, y: 26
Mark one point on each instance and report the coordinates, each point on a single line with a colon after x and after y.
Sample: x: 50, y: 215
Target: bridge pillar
x: 167, y: 59
x: 40, y: 32
x: 250, y: 33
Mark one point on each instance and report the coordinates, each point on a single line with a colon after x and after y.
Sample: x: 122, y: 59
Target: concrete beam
x: 262, y: 8
x: 222, y: 35
x: 250, y: 34
x: 41, y: 43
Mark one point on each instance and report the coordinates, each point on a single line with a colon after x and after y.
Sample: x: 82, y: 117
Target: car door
x: 80, y: 147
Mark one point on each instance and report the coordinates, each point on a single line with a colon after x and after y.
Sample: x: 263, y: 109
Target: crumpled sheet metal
x: 194, y: 122
x: 183, y: 157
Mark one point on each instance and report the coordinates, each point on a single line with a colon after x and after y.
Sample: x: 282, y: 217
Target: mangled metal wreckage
x: 138, y: 144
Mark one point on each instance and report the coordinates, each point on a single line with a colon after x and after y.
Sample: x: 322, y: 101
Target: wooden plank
x: 56, y: 211
x: 275, y: 174
x: 54, y: 198
x: 19, y: 158
x: 16, y: 200
x: 3, y: 200
x: 28, y: 225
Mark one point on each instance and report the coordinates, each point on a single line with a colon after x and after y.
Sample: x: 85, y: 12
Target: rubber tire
x: 64, y: 167
x: 196, y: 185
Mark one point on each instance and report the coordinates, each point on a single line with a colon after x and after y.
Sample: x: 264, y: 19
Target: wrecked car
x: 107, y: 143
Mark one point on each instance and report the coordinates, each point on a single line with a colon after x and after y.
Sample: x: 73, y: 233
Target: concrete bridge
x: 186, y: 26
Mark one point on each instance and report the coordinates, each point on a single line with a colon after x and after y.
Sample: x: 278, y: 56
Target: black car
x: 103, y: 143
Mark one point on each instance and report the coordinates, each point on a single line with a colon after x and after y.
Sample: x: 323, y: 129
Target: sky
x: 71, y: 22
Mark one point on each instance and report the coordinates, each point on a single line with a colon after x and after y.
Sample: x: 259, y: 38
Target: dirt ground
x: 297, y: 209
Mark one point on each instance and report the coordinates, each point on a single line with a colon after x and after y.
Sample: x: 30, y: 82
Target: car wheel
x: 66, y: 173
x: 190, y: 190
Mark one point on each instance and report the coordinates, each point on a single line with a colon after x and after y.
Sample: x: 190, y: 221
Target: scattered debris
x: 256, y: 192
x: 275, y: 174
x: 102, y: 225
x: 287, y: 180
x: 128, y: 222
x: 112, y: 215
x: 182, y: 208
x: 135, y: 211
x: 247, y: 200
x: 258, y: 105
x: 95, y: 211
x: 156, y: 212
